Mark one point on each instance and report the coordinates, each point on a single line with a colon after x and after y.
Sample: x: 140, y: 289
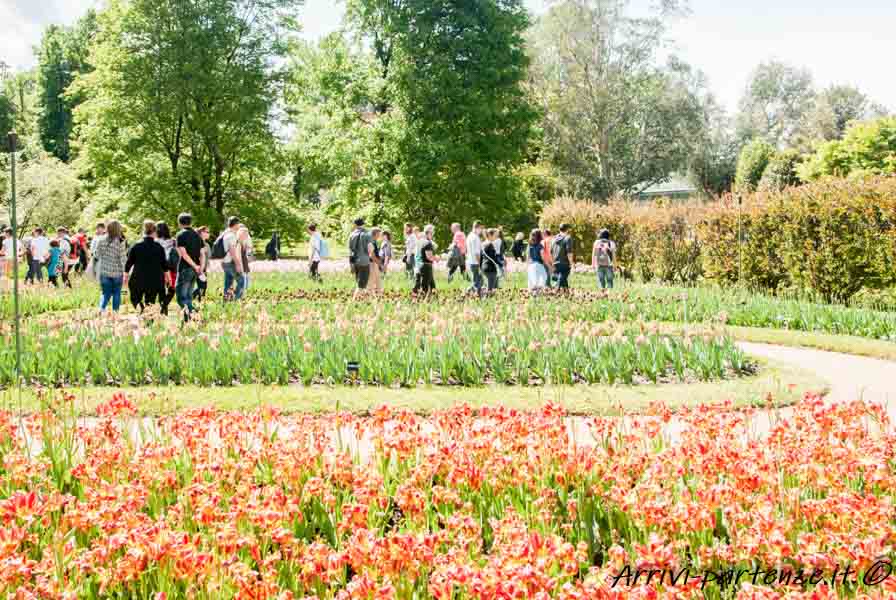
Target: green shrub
x: 781, y: 172
x: 830, y: 239
x: 868, y: 148
x: 751, y: 165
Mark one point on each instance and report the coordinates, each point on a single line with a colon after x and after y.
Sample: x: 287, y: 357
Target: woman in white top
x: 9, y: 257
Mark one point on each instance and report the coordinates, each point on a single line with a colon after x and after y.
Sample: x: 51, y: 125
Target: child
x: 53, y: 263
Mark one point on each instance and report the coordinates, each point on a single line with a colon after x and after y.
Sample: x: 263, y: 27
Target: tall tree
x: 62, y: 55
x: 834, y: 109
x: 178, y: 109
x: 615, y: 120
x: 453, y: 118
x: 775, y: 103
x: 713, y: 164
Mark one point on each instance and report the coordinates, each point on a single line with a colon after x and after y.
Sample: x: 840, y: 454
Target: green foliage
x: 48, y: 192
x: 62, y: 55
x: 419, y: 123
x: 833, y: 110
x: 178, y: 109
x: 781, y: 171
x: 868, y: 148
x: 751, y: 165
x: 831, y: 238
x: 6, y: 114
x: 624, y: 125
x: 713, y: 164
x: 775, y: 103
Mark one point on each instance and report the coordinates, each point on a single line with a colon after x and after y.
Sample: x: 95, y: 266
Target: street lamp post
x: 12, y: 141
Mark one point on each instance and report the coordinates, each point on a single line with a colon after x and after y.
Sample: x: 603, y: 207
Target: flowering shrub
x: 487, y: 504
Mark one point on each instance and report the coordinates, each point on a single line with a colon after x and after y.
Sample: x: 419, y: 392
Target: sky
x: 839, y: 41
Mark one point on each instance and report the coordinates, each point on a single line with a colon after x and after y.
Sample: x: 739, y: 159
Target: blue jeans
x: 605, y: 278
x: 562, y: 270
x: 231, y: 276
x: 477, y: 279
x: 111, y: 287
x: 183, y: 289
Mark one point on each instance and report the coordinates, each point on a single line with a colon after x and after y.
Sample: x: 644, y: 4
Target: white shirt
x: 410, y: 245
x: 40, y: 248
x: 474, y: 248
x: 315, y: 243
x: 7, y: 249
x: 229, y: 242
x: 65, y: 247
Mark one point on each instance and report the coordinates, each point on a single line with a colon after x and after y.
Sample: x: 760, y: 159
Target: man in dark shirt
x: 189, y: 267
x: 426, y: 256
x: 144, y: 272
x: 562, y: 253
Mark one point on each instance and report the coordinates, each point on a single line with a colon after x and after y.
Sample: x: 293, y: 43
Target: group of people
x: 479, y: 256
x: 60, y: 256
x: 156, y: 270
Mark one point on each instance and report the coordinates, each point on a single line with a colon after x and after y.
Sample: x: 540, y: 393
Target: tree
x: 63, y: 54
x: 48, y: 193
x: 868, y: 148
x: 452, y: 120
x: 178, y: 111
x: 775, y: 103
x: 713, y: 164
x: 751, y: 165
x: 834, y: 109
x: 614, y: 120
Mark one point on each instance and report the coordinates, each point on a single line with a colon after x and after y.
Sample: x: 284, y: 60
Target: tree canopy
x: 178, y: 111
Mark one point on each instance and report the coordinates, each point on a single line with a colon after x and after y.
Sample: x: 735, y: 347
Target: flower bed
x: 464, y: 504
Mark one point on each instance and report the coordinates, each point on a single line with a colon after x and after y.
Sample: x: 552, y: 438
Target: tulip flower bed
x: 394, y: 344
x: 465, y: 504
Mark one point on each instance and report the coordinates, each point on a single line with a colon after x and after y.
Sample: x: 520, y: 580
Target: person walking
x: 457, y: 252
x: 29, y: 259
x: 519, y: 247
x: 426, y: 256
x: 111, y: 255
x: 491, y: 265
x: 315, y: 251
x: 474, y: 258
x: 603, y: 258
x: 375, y: 283
x: 164, y: 239
x: 40, y: 253
x: 9, y: 256
x: 81, y: 240
x: 500, y: 250
x: 54, y: 263
x: 272, y: 250
x: 386, y: 252
x: 232, y: 264
x: 410, y: 250
x: 144, y: 270
x: 546, y: 239
x: 67, y: 261
x: 205, y: 256
x: 537, y: 275
x: 246, y: 253
x: 189, y: 266
x: 562, y: 256
x: 360, y: 247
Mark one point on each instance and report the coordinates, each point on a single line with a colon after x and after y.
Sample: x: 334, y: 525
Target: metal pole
x: 740, y: 242
x: 13, y: 141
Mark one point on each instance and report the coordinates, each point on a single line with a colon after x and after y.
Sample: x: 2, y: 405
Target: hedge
x: 834, y: 237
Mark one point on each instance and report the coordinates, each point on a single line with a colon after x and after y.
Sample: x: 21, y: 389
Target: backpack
x: 74, y: 248
x: 604, y: 254
x: 559, y: 252
x: 353, y: 241
x: 218, y: 251
x: 324, y: 248
x: 173, y: 259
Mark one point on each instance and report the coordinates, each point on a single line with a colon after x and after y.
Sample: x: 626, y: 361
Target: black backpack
x: 218, y: 251
x: 559, y: 252
x: 173, y: 259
